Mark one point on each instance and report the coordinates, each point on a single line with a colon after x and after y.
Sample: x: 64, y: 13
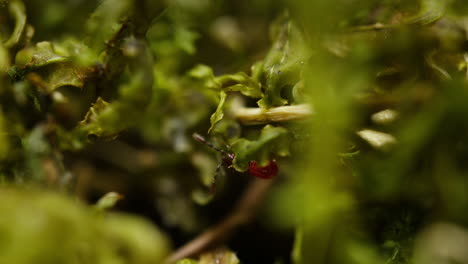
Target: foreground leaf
x: 43, y: 222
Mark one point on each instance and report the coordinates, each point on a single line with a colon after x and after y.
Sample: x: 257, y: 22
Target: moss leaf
x: 282, y: 65
x: 219, y: 114
x: 271, y: 142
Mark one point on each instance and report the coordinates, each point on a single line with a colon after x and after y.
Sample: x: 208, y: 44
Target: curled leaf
x: 219, y: 113
x: 238, y: 82
x: 17, y: 10
x: 91, y: 125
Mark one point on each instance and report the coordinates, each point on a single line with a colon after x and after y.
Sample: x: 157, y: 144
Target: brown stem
x: 243, y: 213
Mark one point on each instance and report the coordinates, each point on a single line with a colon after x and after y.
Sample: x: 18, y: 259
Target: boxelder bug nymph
x: 266, y: 172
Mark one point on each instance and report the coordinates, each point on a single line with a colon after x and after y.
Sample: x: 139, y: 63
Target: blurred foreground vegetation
x: 362, y: 104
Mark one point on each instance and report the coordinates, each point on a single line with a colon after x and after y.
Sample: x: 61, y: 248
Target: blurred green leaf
x: 36, y: 223
x: 185, y: 39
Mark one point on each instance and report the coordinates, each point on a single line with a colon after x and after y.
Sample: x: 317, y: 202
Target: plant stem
x: 253, y: 116
x: 244, y: 212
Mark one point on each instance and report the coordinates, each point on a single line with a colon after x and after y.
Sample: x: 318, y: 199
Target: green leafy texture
x: 105, y: 22
x: 273, y: 141
x: 314, y: 201
x: 42, y: 54
x: 81, y: 235
x: 238, y: 82
x: 124, y: 47
x: 17, y: 10
x: 133, y: 99
x: 282, y: 65
x: 48, y: 70
x: 90, y: 123
x: 55, y: 76
x: 45, y: 53
x: 113, y: 24
x: 76, y: 51
x: 219, y: 113
x: 119, y: 115
x: 343, y: 81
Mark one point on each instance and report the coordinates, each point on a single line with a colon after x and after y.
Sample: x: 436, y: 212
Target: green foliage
x: 272, y: 140
x: 102, y: 97
x: 282, y: 65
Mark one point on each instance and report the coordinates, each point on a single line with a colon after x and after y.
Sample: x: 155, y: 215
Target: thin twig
x: 243, y: 213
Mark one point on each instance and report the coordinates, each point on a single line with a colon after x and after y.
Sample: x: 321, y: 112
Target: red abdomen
x: 267, y: 172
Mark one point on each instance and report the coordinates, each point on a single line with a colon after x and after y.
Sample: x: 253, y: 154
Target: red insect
x: 266, y: 172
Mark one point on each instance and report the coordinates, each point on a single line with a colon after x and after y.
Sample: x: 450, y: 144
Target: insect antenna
x: 201, y: 139
x: 215, y: 178
x: 226, y: 159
